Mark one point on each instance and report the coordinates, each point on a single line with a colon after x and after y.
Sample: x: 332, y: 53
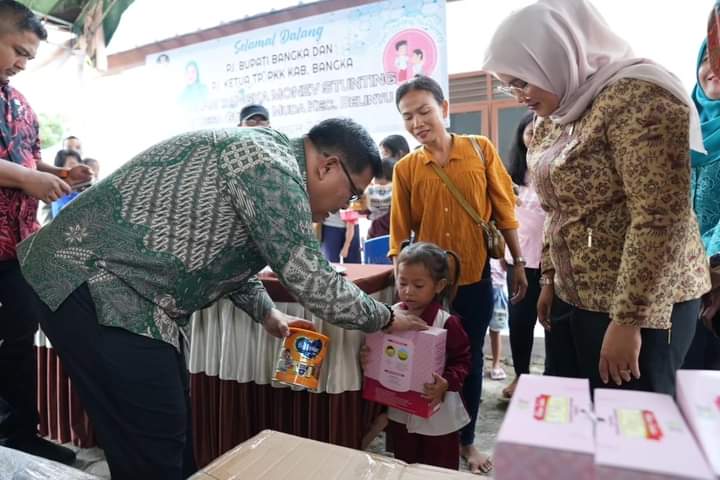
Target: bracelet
x: 392, y: 318
x: 63, y: 173
x: 546, y: 280
x: 520, y: 261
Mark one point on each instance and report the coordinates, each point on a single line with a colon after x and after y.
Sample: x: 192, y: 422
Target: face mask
x: 379, y: 196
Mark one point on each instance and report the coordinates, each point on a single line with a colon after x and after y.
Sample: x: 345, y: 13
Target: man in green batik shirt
x: 116, y: 276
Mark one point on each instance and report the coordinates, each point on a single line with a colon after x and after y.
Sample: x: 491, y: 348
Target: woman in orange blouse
x: 422, y: 204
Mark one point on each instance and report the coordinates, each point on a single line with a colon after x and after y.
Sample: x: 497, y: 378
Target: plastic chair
x: 376, y: 250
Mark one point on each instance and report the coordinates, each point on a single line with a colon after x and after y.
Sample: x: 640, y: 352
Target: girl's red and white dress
x: 435, y: 440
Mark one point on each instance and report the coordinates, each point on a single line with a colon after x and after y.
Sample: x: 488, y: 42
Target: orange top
x: 422, y: 203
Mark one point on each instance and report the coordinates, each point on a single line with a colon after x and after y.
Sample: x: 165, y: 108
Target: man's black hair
x: 388, y: 166
x: 344, y: 137
x: 62, y: 155
x: 17, y: 16
x: 396, y: 145
x: 420, y: 82
x: 400, y: 44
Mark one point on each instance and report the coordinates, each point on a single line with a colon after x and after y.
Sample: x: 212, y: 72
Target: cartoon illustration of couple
x: 407, y: 66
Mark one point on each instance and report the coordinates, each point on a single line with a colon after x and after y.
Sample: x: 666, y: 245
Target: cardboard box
x: 278, y: 456
x: 642, y: 435
x: 547, y: 433
x: 698, y: 396
x: 400, y: 364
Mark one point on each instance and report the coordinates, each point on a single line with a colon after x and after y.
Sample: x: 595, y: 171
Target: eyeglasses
x: 517, y: 88
x: 355, y: 192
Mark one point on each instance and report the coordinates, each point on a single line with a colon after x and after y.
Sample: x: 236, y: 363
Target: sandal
x: 498, y: 374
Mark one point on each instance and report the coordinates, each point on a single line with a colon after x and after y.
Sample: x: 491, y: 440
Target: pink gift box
x: 547, y: 433
x: 400, y: 364
x: 642, y: 436
x: 698, y: 396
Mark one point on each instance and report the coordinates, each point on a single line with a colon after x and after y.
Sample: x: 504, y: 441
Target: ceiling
x: 75, y: 14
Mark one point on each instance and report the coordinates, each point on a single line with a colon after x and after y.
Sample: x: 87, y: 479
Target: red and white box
x: 547, y: 433
x: 643, y: 436
x: 698, y: 396
x: 400, y: 364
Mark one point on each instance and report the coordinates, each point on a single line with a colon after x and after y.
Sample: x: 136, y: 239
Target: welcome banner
x: 343, y: 63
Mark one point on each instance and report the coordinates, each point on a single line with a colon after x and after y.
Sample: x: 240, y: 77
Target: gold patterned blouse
x: 620, y: 235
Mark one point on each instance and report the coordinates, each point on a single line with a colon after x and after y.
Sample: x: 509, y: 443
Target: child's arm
x: 349, y: 234
x: 457, y: 354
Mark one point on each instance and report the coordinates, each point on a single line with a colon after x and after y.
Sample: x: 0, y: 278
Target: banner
x: 345, y: 63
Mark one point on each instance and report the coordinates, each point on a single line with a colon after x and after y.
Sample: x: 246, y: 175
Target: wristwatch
x: 392, y: 318
x: 519, y: 261
x: 546, y: 280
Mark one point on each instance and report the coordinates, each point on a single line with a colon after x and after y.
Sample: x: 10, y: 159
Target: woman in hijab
x: 623, y: 267
x: 705, y: 350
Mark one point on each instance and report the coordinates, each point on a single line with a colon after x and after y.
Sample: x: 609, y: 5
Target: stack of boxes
x: 552, y: 431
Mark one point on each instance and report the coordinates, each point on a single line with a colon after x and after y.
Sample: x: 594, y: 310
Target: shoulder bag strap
x: 456, y: 193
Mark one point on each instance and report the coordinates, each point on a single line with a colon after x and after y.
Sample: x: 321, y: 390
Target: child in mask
x: 378, y: 195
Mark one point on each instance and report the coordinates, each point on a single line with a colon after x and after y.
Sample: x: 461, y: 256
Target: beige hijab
x: 566, y: 48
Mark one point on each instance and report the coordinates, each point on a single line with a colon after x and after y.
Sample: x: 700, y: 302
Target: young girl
x: 424, y: 282
x: 378, y: 196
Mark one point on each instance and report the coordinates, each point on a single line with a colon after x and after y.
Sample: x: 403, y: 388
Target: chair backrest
x: 376, y: 250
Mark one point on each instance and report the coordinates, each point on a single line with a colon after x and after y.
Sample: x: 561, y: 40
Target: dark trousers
x: 333, y: 239
x: 704, y: 353
x: 474, y: 304
x: 18, y: 372
x: 522, y: 317
x: 134, y: 388
x: 577, y: 337
x: 441, y: 450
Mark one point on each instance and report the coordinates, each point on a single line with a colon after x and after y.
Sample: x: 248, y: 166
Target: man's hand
x: 44, y: 186
x: 620, y: 353
x: 79, y: 174
x: 435, y: 392
x: 519, y: 284
x: 544, y: 305
x: 405, y: 321
x: 278, y: 324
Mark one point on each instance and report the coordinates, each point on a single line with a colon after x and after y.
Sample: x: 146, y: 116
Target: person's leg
x: 561, y: 343
x: 523, y: 316
x: 548, y: 353
x: 440, y: 451
x: 379, y: 424
x: 474, y: 304
x: 696, y: 355
x: 133, y: 388
x: 663, y: 351
x: 406, y: 445
x: 333, y: 239
x: 661, y: 354
x: 712, y: 352
x: 354, y: 252
x: 18, y: 369
x: 495, y: 348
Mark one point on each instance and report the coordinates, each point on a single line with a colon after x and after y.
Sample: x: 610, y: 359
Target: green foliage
x: 51, y: 130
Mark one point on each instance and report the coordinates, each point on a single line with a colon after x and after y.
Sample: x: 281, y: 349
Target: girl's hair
x: 396, y: 145
x: 388, y: 166
x: 61, y: 155
x: 437, y: 262
x: 420, y: 82
x: 517, y: 157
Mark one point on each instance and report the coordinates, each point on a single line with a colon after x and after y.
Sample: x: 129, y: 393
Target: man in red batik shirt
x: 24, y: 180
